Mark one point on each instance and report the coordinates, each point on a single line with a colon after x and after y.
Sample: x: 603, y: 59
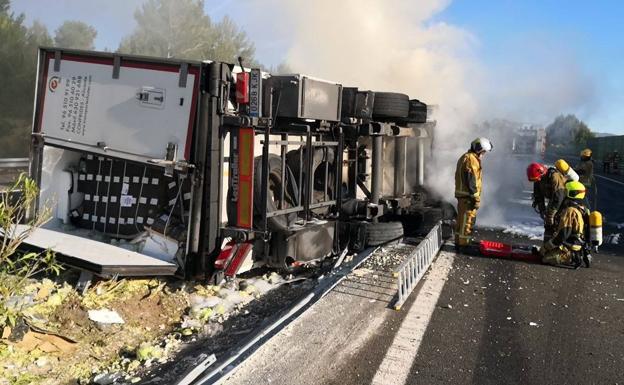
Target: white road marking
x: 610, y: 180
x: 396, y: 365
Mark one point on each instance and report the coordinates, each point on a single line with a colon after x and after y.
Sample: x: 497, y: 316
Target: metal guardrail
x: 14, y: 162
x: 410, y: 272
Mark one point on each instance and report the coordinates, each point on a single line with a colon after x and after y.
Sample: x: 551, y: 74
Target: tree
x: 75, y: 34
x: 38, y: 35
x: 181, y: 29
x: 583, y: 134
x: 230, y: 42
x: 18, y: 66
x: 566, y: 130
x: 4, y: 7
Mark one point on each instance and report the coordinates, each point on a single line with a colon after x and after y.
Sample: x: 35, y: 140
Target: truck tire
x: 320, y: 157
x: 280, y: 222
x: 382, y: 232
x: 390, y: 105
x: 417, y: 112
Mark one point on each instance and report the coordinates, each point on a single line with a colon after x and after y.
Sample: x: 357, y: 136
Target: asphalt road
x: 611, y: 197
x: 517, y: 323
x: 494, y: 322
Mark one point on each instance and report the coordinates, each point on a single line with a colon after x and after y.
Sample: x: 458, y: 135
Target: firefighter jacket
x: 552, y: 188
x: 571, y: 222
x: 468, y: 176
x: 585, y: 170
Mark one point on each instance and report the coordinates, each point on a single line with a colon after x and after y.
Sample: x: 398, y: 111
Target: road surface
x: 472, y: 320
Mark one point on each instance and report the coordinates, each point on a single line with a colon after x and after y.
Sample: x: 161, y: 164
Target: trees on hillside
x: 18, y: 64
x: 566, y: 130
x: 165, y: 28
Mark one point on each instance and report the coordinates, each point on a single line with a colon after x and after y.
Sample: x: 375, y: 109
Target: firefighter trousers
x: 466, y: 216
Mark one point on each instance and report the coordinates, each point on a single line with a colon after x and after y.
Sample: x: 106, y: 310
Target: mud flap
x: 235, y: 258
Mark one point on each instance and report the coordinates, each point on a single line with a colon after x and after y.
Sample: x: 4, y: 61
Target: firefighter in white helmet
x: 468, y: 189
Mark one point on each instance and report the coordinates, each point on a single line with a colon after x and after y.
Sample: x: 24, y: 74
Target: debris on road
x: 66, y: 335
x: 105, y: 316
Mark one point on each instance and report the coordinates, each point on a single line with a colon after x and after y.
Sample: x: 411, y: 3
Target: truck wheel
x: 279, y: 222
x: 320, y: 157
x: 382, y: 232
x: 390, y: 105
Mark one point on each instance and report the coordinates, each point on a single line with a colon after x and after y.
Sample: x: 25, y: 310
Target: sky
x: 508, y: 35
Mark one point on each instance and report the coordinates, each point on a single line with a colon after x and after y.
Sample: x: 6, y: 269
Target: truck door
x: 120, y: 106
x: 113, y: 150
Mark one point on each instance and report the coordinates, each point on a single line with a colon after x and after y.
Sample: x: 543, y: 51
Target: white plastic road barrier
x: 410, y: 272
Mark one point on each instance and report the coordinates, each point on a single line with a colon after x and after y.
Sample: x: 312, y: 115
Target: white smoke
x: 400, y: 46
x: 389, y: 46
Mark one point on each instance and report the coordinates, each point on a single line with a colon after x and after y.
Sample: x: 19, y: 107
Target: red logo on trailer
x: 54, y: 83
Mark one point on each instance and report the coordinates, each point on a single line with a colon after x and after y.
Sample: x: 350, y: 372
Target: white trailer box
x: 124, y: 108
x: 113, y: 136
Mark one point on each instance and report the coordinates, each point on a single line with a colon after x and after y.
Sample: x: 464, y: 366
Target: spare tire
x: 279, y: 222
x: 382, y: 232
x: 390, y: 105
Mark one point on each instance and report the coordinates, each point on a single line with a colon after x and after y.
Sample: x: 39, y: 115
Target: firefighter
x: 585, y: 169
x: 468, y: 189
x: 569, y: 237
x: 548, y: 184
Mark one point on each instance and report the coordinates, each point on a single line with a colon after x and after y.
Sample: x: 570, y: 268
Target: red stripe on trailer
x: 189, y: 131
x: 244, y: 205
x: 42, y: 89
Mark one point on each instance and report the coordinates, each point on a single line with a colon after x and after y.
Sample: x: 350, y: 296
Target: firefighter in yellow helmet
x: 569, y: 236
x: 468, y: 189
x: 585, y: 169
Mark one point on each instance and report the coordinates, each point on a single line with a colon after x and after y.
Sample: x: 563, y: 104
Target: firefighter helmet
x: 536, y: 171
x: 575, y: 190
x: 586, y: 153
x: 480, y: 145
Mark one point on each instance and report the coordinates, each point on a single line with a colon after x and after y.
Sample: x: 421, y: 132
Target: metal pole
x: 308, y: 175
x: 376, y: 169
x: 400, y: 165
x: 421, y: 162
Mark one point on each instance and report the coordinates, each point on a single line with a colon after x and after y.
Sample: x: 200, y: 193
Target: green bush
x: 17, y: 267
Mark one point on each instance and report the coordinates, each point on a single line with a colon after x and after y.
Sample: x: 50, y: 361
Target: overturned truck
x: 175, y: 167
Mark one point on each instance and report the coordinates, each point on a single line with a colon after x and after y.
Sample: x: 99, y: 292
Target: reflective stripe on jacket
x: 468, y: 176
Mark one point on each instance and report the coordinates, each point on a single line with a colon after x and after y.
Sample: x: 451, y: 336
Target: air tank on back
x: 566, y: 170
x: 595, y: 228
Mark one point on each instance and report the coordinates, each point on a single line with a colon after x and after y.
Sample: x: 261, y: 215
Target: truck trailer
x: 206, y: 169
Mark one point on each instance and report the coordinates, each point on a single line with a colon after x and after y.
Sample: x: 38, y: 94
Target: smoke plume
x: 401, y: 46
